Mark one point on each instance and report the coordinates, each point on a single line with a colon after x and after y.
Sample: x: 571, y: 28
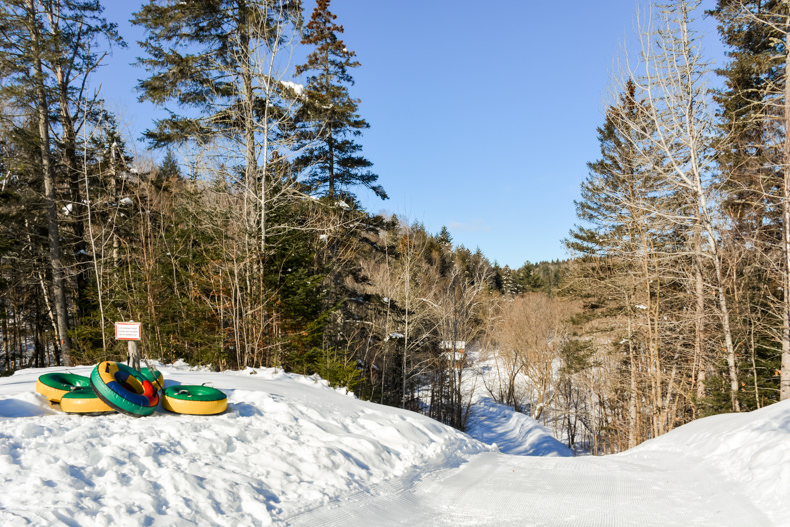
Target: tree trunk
x: 633, y: 411
x: 58, y: 278
x: 784, y: 392
x: 76, y: 216
x: 725, y: 322
x: 699, y: 345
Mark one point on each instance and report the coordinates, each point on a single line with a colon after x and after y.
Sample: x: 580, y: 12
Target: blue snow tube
x: 124, y: 389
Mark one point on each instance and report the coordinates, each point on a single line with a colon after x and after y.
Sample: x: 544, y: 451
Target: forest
x: 238, y: 239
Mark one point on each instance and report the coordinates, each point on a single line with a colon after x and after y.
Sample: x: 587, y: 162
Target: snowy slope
x: 752, y: 451
x: 292, y: 451
x: 287, y: 443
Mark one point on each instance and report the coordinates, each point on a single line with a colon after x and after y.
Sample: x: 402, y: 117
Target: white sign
x: 127, y: 330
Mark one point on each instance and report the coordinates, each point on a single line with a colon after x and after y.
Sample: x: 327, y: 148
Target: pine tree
x: 612, y: 191
x: 754, y: 76
x: 328, y: 121
x: 202, y: 55
x: 218, y: 61
x: 755, y: 176
x: 445, y: 238
x: 48, y: 50
x: 619, y: 269
x: 75, y: 28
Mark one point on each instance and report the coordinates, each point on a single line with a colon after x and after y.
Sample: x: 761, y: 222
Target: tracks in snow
x: 499, y: 490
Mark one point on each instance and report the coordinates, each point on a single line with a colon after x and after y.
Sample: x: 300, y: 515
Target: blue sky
x: 482, y: 115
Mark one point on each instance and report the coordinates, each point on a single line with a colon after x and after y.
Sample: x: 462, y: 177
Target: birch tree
x: 672, y: 79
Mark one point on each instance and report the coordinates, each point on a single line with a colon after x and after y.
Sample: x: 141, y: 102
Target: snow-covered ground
x: 292, y: 451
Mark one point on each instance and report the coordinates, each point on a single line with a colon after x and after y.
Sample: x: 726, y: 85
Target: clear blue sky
x: 482, y: 115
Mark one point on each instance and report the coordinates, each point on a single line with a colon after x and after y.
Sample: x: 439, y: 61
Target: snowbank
x: 751, y: 450
x: 287, y: 443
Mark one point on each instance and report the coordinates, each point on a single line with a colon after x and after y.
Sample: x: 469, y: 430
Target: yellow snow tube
x: 54, y: 386
x: 195, y: 400
x: 83, y: 401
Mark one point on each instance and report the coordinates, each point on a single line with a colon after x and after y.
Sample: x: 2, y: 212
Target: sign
x: 127, y: 330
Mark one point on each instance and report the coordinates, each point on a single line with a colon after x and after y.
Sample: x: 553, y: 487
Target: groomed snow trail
x: 499, y: 490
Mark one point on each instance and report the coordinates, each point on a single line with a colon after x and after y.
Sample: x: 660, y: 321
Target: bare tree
x: 532, y: 330
x: 672, y: 78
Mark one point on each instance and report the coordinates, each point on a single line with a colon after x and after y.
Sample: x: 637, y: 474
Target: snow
x: 513, y: 433
x: 298, y: 89
x: 292, y: 451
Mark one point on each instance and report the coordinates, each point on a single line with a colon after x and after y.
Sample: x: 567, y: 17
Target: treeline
x: 246, y: 245
x: 682, y: 256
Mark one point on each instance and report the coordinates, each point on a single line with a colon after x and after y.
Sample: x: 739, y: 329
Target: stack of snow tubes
x: 72, y: 391
x: 116, y: 387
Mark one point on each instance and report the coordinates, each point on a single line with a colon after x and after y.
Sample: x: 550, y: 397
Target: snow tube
x: 155, y: 376
x: 124, y: 389
x: 194, y: 400
x: 83, y: 401
x: 54, y: 386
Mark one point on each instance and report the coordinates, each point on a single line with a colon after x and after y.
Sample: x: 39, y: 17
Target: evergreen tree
x: 47, y: 51
x: 328, y: 122
x: 619, y: 271
x: 753, y: 82
x: 218, y: 61
x: 168, y: 168
x: 619, y: 185
x: 202, y: 55
x: 75, y: 29
x: 754, y: 180
x: 445, y: 238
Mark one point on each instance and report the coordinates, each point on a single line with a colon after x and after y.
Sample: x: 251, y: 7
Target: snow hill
x: 292, y: 451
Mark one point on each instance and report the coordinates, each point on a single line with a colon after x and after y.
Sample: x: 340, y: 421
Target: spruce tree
x: 445, y: 238
x: 48, y: 51
x: 202, y: 55
x: 618, y: 272
x: 217, y: 60
x: 328, y: 122
x: 753, y: 81
x: 616, y: 185
x: 755, y: 183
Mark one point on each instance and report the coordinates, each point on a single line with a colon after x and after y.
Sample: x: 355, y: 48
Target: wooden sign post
x: 132, y: 332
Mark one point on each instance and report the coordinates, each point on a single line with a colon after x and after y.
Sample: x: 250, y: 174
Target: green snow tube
x: 54, y: 386
x: 194, y: 400
x: 124, y: 389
